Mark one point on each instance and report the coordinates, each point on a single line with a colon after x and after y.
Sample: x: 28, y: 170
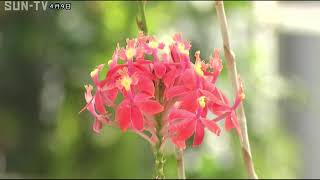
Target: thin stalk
x: 141, y: 17
x: 180, y: 165
x: 159, y: 156
x: 232, y: 70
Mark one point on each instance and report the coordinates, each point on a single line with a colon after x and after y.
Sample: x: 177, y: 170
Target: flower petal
x: 88, y: 93
x: 110, y: 95
x: 174, y: 53
x: 179, y: 114
x: 175, y: 91
x: 218, y: 109
x: 189, y: 79
x: 211, y: 97
x: 146, y: 85
x: 159, y: 69
x: 189, y: 101
x: 177, y: 36
x: 180, y: 144
x: 212, y: 126
x: 179, y: 124
x: 169, y: 78
x: 161, y: 45
x: 184, y: 133
x: 142, y: 97
x: 199, y: 134
x: 150, y: 107
x: 228, y: 124
x: 95, y: 74
x: 218, y: 93
x: 136, y: 118
x: 123, y: 114
x: 97, y: 126
x: 122, y: 54
x: 232, y: 122
x: 99, y: 104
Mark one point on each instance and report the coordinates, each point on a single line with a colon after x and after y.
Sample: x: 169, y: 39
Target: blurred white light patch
x: 76, y: 26
x: 290, y: 16
x: 202, y: 6
x: 52, y: 94
x: 217, y: 147
x: 266, y: 12
x: 166, y: 38
x: 239, y: 30
x: 302, y: 17
x: 220, y: 148
x: 192, y: 159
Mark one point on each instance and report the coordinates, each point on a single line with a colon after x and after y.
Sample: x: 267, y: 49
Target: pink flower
x: 94, y: 103
x: 183, y: 124
x: 130, y: 111
x: 161, y: 95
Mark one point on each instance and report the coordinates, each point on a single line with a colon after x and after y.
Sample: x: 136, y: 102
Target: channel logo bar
x: 35, y: 6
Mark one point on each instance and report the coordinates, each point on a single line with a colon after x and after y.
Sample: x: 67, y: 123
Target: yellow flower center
x: 202, y: 101
x: 198, y: 69
x: 94, y: 72
x: 130, y: 53
x: 182, y: 49
x: 242, y: 96
x: 89, y: 87
x: 153, y: 44
x: 110, y: 61
x: 126, y: 82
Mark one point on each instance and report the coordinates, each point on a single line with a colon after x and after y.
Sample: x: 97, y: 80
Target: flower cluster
x: 164, y: 95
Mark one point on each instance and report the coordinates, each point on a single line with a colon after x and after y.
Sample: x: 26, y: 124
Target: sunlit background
x: 46, y: 58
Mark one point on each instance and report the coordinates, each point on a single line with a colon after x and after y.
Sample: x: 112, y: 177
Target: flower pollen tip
x: 94, y: 72
x: 177, y: 104
x: 126, y: 82
x: 198, y: 68
x: 182, y: 49
x: 88, y: 86
x: 153, y: 44
x: 202, y: 101
x: 130, y: 53
x: 242, y: 96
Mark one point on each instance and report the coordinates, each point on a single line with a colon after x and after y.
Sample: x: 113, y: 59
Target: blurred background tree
x: 46, y: 58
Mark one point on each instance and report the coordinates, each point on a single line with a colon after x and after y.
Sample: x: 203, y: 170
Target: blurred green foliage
x: 67, y: 45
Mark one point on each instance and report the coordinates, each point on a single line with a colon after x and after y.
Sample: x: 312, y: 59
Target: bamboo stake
x: 180, y: 165
x: 232, y: 70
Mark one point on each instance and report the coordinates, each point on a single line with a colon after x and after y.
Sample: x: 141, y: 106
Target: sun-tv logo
x: 25, y: 5
x: 35, y: 5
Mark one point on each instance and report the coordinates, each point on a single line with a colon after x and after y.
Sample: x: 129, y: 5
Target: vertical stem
x: 159, y: 164
x: 180, y: 165
x: 159, y: 156
x: 141, y: 17
x: 232, y: 70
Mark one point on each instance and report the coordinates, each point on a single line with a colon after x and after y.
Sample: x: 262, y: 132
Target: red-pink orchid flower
x: 161, y: 95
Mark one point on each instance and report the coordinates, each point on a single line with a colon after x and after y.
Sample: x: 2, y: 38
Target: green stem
x: 159, y: 163
x: 159, y: 156
x: 141, y: 17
